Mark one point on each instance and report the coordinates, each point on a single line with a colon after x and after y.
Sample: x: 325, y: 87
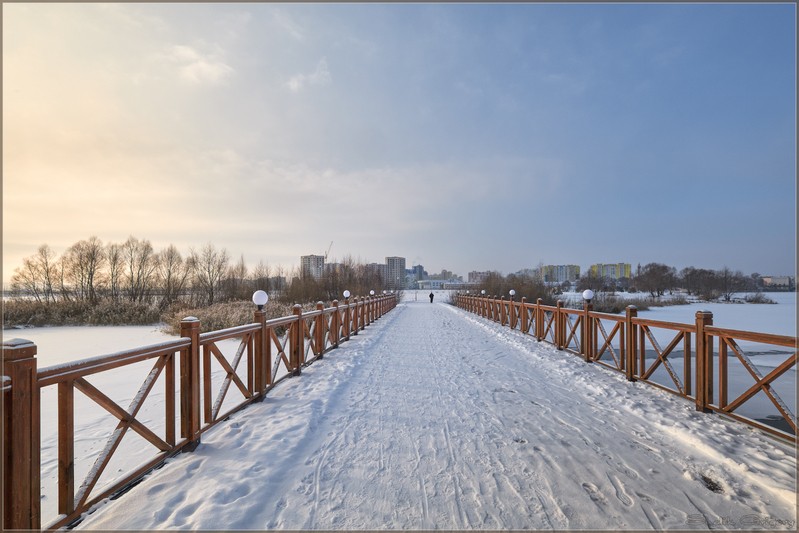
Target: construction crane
x: 328, y: 250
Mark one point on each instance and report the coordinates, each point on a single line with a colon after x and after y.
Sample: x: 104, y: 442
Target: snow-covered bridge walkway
x: 433, y: 418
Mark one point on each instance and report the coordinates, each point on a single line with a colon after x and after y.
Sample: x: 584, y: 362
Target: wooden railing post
x: 190, y: 384
x: 559, y: 326
x: 297, y: 341
x: 260, y: 365
x: 335, y: 325
x: 21, y: 437
x: 539, y: 320
x: 355, y: 316
x: 630, y: 334
x: 512, y: 313
x: 320, y: 330
x: 704, y: 362
x: 347, y: 319
x: 523, y: 311
x: 587, y: 331
x: 363, y: 312
x: 503, y: 315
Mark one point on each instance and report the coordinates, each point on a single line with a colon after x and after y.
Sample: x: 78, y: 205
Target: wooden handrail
x: 21, y: 393
x: 697, y: 339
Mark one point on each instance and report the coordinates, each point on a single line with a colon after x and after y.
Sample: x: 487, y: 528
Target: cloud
x: 198, y: 68
x: 289, y: 25
x: 320, y: 76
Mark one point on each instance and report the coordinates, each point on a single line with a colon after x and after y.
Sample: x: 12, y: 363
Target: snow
x: 434, y: 418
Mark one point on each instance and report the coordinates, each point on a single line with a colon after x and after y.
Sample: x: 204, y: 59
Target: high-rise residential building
x: 395, y: 272
x: 312, y: 266
x: 561, y: 273
x: 376, y: 269
x: 611, y: 270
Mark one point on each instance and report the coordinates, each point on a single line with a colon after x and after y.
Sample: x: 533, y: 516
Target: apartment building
x: 312, y: 266
x: 395, y: 272
x: 611, y: 270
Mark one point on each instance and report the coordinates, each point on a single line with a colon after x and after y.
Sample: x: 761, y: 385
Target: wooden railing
x: 268, y: 352
x: 686, y: 364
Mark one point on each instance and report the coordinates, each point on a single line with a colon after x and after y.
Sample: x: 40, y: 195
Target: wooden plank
x: 126, y: 419
x: 765, y: 338
x: 66, y: 447
x: 169, y: 397
x: 73, y: 370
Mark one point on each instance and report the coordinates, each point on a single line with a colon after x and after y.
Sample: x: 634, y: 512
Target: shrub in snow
x: 224, y: 315
x: 758, y: 298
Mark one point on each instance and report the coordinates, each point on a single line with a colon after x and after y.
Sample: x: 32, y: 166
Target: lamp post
x: 588, y: 329
x: 262, y: 356
x: 347, y: 315
x: 512, y: 294
x: 260, y: 298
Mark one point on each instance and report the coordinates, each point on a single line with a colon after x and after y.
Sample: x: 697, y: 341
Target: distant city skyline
x: 467, y: 137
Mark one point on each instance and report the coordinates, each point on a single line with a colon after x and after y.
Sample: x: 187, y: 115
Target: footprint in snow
x: 594, y: 493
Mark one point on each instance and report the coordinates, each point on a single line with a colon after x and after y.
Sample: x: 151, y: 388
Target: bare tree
x: 173, y: 273
x: 210, y: 266
x: 590, y: 280
x: 236, y: 284
x: 260, y: 276
x: 64, y: 290
x: 141, y: 263
x: 83, y: 262
x: 730, y: 282
x: 656, y: 278
x: 37, y: 275
x: 116, y: 265
x: 28, y: 279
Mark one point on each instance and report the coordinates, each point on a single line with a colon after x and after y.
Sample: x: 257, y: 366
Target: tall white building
x: 395, y: 272
x: 561, y: 273
x: 312, y: 265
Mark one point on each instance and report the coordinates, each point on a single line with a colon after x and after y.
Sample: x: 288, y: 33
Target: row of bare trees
x: 657, y: 279
x: 134, y: 271
x: 349, y: 274
x: 526, y: 286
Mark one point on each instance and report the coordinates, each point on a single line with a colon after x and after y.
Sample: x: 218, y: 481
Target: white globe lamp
x: 260, y: 298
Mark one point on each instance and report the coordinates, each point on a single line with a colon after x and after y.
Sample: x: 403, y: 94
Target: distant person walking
x: 431, y: 297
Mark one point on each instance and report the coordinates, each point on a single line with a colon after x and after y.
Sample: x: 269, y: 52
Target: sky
x: 459, y: 136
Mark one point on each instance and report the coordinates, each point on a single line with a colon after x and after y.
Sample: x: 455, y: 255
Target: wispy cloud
x: 320, y: 76
x: 289, y: 25
x: 198, y: 67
